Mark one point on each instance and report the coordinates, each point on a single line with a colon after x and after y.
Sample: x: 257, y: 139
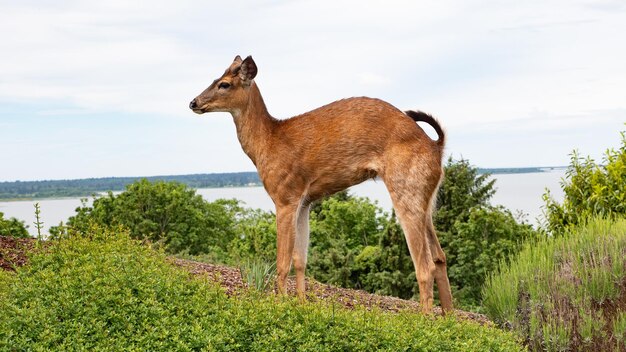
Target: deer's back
x: 350, y: 125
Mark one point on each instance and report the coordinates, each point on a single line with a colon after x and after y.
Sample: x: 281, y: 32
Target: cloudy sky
x: 101, y: 88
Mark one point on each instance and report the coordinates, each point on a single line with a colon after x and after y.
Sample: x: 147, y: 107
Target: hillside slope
x: 13, y: 253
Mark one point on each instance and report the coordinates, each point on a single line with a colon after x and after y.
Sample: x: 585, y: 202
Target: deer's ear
x: 248, y: 70
x: 235, y: 66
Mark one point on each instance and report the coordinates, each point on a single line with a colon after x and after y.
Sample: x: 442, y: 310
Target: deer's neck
x: 254, y: 125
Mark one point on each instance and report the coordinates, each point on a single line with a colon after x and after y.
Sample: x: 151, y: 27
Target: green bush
x: 104, y: 291
x: 387, y: 268
x: 566, y: 293
x: 462, y: 189
x: 255, y: 237
x: 590, y: 189
x: 162, y: 212
x: 340, y: 230
x: 12, y: 227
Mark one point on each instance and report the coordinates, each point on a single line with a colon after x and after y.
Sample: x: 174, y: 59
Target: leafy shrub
x: 255, y: 237
x: 387, y: 268
x: 162, y: 212
x: 12, y: 227
x: 462, y: 189
x: 105, y: 291
x: 566, y: 292
x: 339, y: 232
x: 102, y: 292
x: 590, y: 190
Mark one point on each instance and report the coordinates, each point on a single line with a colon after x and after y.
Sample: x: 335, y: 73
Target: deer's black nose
x: 193, y: 105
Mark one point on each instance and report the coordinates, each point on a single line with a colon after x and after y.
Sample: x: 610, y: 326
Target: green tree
x: 316, y: 207
x: 255, y: 238
x: 490, y: 235
x: 387, y: 268
x: 590, y: 189
x: 163, y: 212
x: 12, y: 227
x: 339, y: 232
x: 462, y: 189
x: 474, y: 235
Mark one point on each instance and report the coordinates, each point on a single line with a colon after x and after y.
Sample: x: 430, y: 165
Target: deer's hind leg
x: 412, y: 184
x: 441, y: 271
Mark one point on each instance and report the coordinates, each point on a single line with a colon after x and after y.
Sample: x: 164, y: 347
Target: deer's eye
x: 224, y: 85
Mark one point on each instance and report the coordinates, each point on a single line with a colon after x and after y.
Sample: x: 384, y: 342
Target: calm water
x: 515, y: 191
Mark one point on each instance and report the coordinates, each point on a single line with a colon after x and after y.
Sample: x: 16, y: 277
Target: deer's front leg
x: 286, y: 229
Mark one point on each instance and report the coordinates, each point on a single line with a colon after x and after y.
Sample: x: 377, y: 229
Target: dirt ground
x: 13, y: 252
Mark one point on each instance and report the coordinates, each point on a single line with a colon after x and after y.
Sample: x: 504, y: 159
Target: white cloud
x: 478, y: 65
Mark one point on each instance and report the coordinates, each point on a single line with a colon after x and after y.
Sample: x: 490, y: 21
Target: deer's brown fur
x: 313, y: 155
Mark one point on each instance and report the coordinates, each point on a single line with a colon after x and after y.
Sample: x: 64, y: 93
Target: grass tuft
x: 258, y: 275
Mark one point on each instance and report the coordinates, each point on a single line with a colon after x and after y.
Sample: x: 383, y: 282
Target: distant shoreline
x: 59, y: 189
x: 519, y: 170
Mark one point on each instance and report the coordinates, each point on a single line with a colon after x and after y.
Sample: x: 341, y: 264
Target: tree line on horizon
x: 89, y: 186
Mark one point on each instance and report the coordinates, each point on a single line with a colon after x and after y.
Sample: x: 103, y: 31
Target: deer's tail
x: 424, y: 117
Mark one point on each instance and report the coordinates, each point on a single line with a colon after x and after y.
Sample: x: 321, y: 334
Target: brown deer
x: 318, y: 153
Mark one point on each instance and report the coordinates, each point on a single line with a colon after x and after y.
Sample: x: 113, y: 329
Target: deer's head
x: 229, y: 93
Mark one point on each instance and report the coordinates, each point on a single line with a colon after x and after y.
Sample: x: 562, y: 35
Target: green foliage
x: 163, y: 212
x: 12, y: 227
x: 104, y: 291
x: 462, y: 189
x: 489, y: 236
x: 339, y: 232
x: 560, y: 287
x: 38, y: 223
x: 255, y: 238
x: 353, y: 244
x: 590, y: 190
x: 387, y: 269
x: 174, y: 216
x: 619, y: 326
